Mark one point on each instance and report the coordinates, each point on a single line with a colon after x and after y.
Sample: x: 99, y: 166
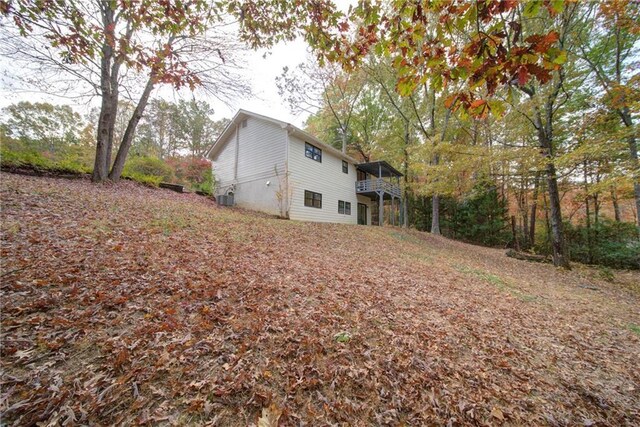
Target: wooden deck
x: 375, y: 186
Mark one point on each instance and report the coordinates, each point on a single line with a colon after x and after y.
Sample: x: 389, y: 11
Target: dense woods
x: 514, y: 123
x: 544, y: 159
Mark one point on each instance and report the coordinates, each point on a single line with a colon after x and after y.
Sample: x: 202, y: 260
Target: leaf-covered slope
x: 123, y: 304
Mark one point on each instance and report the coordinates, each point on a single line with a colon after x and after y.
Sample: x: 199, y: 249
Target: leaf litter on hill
x: 127, y: 305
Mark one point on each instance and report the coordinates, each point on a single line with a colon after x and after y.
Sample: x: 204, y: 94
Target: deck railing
x: 377, y: 184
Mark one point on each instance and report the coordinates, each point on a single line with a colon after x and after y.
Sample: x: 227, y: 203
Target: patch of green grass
x: 11, y: 228
x: 606, y: 274
x: 418, y: 256
x: 169, y: 224
x: 404, y: 237
x: 97, y: 228
x: 342, y: 337
x: 35, y: 160
x: 635, y: 329
x: 498, y: 282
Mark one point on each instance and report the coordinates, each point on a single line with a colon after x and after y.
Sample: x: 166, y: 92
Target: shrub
x: 22, y: 158
x: 148, y: 169
x: 190, y: 170
x: 608, y: 243
x: 480, y: 218
x: 208, y: 185
x: 149, y: 180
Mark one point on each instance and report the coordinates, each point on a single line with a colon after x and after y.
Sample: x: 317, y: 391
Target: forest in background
x: 169, y: 146
x: 484, y: 169
x: 514, y: 123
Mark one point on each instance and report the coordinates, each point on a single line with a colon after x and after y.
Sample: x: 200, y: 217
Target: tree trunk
x: 100, y: 170
x: 616, y: 206
x: 405, y: 200
x: 560, y: 258
x: 534, y: 207
x: 546, y: 217
x: 405, y: 210
x: 545, y: 135
x: 344, y: 141
x: 633, y: 149
x: 112, y: 126
x: 107, y: 114
x: 524, y: 211
x: 587, y: 214
x: 129, y: 133
x: 435, y: 214
x: 635, y: 164
x: 514, y: 232
x: 525, y: 228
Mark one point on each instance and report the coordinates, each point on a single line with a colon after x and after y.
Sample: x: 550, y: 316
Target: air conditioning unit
x: 225, y: 200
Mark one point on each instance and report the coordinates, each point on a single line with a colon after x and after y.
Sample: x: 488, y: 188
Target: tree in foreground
x: 109, y: 47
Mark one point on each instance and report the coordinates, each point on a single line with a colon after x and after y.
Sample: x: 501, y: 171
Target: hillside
x: 124, y: 304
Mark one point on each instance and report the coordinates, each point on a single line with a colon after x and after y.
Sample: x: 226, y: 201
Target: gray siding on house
x: 262, y: 148
x: 252, y: 161
x: 324, y: 177
x: 251, y: 172
x: 224, y: 162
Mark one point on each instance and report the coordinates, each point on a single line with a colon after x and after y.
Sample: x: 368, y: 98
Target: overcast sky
x: 261, y: 71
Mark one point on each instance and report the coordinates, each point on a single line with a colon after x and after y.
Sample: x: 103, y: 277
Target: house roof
x: 379, y: 167
x: 242, y: 114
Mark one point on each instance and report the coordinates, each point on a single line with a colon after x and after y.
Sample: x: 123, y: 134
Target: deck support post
x: 380, y: 208
x: 393, y: 211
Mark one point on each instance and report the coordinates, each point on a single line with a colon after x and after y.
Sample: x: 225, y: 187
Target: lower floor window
x: 344, y: 207
x: 313, y: 200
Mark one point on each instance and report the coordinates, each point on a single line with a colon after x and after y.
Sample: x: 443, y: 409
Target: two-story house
x: 271, y: 166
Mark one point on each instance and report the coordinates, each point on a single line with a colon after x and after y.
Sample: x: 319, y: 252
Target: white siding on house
x: 223, y: 163
x: 261, y: 149
x: 325, y: 178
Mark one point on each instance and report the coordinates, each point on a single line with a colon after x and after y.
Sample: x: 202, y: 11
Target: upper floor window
x: 312, y: 199
x: 345, y: 167
x: 362, y: 175
x: 312, y: 152
x: 244, y: 123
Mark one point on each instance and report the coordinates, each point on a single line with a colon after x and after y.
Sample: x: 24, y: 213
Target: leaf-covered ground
x: 128, y: 305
